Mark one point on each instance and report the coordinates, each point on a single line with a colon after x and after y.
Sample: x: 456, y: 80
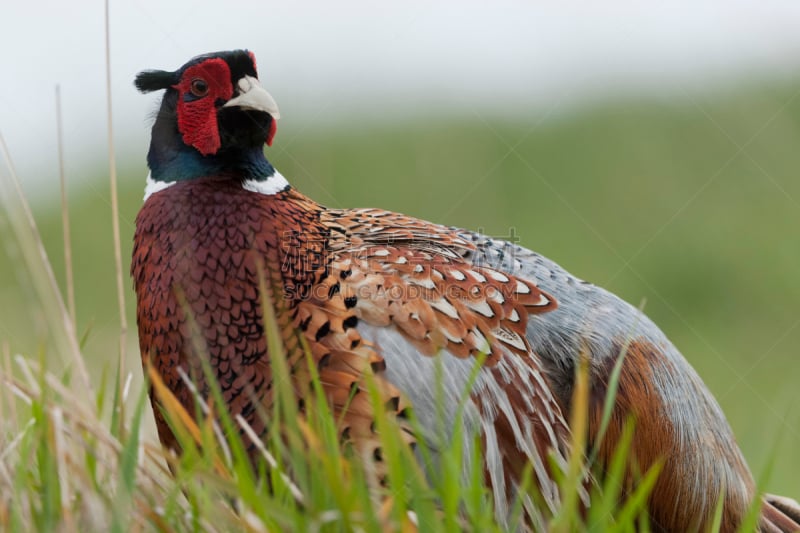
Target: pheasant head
x: 215, y: 118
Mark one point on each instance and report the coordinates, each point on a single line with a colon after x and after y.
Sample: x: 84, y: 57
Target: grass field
x: 693, y: 207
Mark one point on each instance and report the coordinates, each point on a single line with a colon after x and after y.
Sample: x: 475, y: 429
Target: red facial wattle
x: 197, y: 117
x: 273, y: 128
x: 197, y: 110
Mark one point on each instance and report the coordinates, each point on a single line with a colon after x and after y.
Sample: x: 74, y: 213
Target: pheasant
x: 376, y: 296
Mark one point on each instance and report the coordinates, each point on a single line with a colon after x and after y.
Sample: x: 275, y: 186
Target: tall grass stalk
x: 112, y: 177
x: 69, y: 278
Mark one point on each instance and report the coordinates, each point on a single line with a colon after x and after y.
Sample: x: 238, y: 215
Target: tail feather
x: 779, y: 515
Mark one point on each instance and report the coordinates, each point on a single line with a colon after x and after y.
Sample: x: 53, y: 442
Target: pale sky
x: 326, y: 61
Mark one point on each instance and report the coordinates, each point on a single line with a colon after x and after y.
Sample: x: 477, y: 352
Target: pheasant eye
x: 199, y: 87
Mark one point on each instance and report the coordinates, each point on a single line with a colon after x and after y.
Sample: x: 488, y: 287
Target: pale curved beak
x: 253, y: 96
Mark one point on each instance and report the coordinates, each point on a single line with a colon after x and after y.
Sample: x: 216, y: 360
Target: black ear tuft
x: 154, y: 80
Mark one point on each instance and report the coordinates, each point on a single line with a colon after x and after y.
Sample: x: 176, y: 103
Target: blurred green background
x: 692, y: 205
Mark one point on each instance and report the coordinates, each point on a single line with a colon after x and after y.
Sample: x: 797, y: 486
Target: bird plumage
x: 380, y: 295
